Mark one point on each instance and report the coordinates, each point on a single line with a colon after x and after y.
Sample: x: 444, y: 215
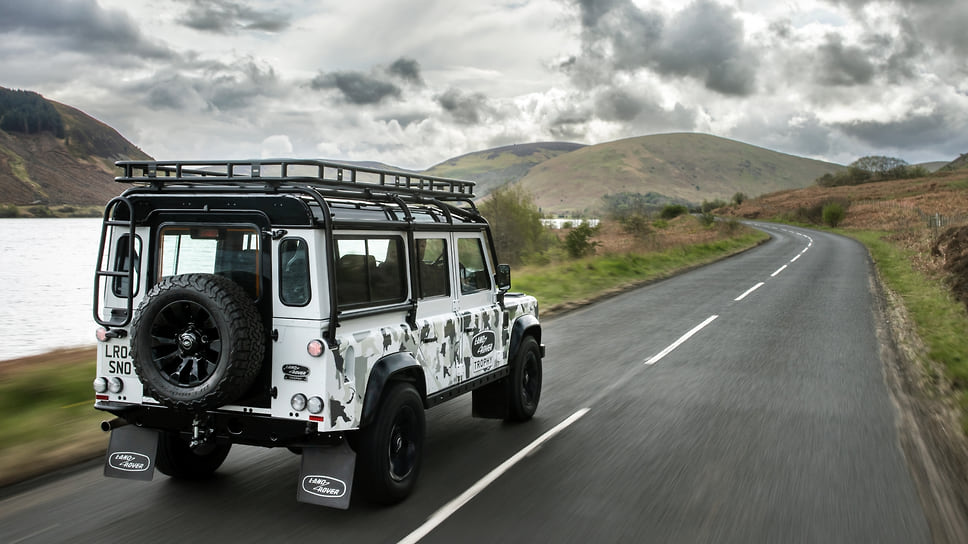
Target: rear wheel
x: 390, y: 449
x: 524, y: 382
x: 178, y: 460
x: 197, y: 341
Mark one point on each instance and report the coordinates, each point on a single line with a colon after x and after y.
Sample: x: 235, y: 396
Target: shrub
x: 516, y: 223
x: 671, y: 211
x: 9, y: 210
x: 833, y: 214
x: 708, y: 206
x: 636, y: 225
x: 40, y: 211
x: 578, y: 242
x: 729, y: 226
x: 739, y: 198
x: 706, y: 219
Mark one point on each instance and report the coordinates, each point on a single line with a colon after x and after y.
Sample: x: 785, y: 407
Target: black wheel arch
x: 526, y: 325
x: 400, y: 366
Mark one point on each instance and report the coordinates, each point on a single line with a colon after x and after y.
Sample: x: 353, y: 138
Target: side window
x: 123, y: 262
x: 432, y: 267
x: 294, y: 272
x: 473, y: 267
x: 370, y: 270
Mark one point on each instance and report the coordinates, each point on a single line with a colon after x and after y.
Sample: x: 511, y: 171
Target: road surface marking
x: 793, y: 260
x: 448, y: 509
x: 656, y: 358
x: 748, y: 291
x: 781, y: 269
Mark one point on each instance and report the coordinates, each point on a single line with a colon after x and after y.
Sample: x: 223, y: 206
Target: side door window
x: 479, y: 316
x: 437, y: 324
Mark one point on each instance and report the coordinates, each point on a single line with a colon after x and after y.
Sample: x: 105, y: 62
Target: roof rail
x: 276, y: 173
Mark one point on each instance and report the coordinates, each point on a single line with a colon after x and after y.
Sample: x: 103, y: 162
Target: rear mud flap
x: 326, y: 475
x: 131, y: 453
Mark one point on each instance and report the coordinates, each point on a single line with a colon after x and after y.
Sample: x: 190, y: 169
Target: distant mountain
x: 690, y: 167
x: 66, y: 159
x: 933, y: 166
x: 494, y: 168
x: 957, y: 164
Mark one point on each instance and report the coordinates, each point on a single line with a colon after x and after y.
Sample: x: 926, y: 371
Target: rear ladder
x: 107, y: 269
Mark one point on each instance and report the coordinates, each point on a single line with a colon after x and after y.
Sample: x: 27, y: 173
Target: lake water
x: 47, y: 278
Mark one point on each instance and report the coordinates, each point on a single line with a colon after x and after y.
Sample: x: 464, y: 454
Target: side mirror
x: 503, y: 277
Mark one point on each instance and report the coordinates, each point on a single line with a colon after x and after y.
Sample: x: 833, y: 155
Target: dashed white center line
x: 781, y: 269
x: 793, y: 260
x: 448, y: 509
x: 656, y: 358
x: 748, y: 291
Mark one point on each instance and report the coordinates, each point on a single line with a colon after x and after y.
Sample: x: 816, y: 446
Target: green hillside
x: 691, y: 167
x: 958, y: 164
x: 493, y: 168
x: 51, y: 153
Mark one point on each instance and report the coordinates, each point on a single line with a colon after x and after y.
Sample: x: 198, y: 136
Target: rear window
x: 229, y: 251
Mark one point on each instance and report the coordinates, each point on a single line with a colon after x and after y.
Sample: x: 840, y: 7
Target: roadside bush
x: 578, y: 242
x: 671, y: 211
x: 706, y: 219
x: 739, y: 198
x: 636, y: 225
x: 708, y: 206
x: 516, y: 223
x: 729, y: 226
x: 40, y: 211
x: 67, y: 209
x: 833, y: 213
x: 9, y: 210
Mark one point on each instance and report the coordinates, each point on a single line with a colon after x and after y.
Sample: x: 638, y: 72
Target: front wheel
x: 524, y: 382
x: 178, y: 460
x: 390, y: 449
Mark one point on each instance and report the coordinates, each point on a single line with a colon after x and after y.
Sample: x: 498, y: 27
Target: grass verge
x: 940, y: 320
x: 575, y: 282
x: 47, y: 418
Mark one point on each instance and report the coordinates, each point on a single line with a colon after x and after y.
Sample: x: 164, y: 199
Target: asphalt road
x: 740, y: 402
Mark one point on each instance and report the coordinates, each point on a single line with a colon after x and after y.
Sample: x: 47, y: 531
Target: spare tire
x: 197, y: 342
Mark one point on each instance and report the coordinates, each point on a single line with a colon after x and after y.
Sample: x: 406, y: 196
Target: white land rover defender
x: 311, y: 305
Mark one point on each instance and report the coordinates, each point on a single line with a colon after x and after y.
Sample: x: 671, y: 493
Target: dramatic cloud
x: 466, y: 109
x: 828, y: 79
x: 357, y: 87
x: 225, y: 16
x: 704, y: 41
x: 212, y: 87
x: 80, y: 26
x: 843, y: 65
x: 407, y: 70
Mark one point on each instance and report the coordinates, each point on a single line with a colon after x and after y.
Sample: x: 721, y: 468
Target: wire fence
x: 935, y: 221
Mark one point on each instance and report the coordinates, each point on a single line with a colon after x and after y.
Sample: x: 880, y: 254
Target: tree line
x: 28, y: 113
x: 870, y: 169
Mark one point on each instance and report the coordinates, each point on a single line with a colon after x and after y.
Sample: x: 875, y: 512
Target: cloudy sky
x: 414, y: 82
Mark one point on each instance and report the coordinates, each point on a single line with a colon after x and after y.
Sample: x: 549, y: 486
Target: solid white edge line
x: 781, y: 269
x: 748, y: 291
x: 448, y: 509
x: 656, y: 358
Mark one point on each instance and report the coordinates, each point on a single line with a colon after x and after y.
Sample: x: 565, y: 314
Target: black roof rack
x: 327, y: 177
